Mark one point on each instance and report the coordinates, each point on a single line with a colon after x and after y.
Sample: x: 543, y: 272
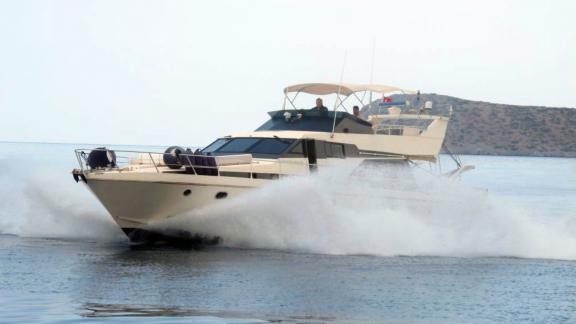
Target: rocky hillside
x: 494, y: 129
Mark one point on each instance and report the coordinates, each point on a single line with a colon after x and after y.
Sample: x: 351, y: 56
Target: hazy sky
x: 186, y: 72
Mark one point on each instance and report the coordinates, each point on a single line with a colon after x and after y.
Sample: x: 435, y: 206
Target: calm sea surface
x: 63, y: 260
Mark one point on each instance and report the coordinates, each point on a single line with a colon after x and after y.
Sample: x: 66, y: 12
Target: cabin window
x: 238, y: 145
x: 264, y: 146
x: 337, y: 150
x: 333, y: 150
x: 215, y: 146
x: 350, y: 150
x: 298, y: 149
x: 271, y: 146
x: 320, y: 150
x: 328, y: 149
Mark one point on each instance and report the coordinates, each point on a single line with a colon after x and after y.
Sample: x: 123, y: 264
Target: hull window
x: 187, y: 192
x: 221, y: 195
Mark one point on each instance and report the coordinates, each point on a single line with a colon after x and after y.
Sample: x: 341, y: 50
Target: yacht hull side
x: 134, y: 204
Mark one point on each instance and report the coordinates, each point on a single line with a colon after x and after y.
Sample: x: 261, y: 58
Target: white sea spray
x: 334, y: 213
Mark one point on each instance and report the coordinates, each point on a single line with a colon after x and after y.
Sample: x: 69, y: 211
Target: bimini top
x: 345, y: 89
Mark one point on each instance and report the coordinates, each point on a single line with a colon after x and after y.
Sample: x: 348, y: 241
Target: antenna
x: 372, y: 63
x: 338, y: 94
x: 372, y: 73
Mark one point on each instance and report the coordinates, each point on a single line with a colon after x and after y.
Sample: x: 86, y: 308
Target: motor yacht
x: 140, y: 188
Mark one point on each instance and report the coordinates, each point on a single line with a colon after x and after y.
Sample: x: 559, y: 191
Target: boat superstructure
x: 139, y: 188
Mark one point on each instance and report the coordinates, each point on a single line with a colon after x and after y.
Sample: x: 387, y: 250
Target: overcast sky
x: 186, y: 72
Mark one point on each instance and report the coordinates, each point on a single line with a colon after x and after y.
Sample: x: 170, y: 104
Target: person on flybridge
x: 356, y: 112
x: 320, y: 106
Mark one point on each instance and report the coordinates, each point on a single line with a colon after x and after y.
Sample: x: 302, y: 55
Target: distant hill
x: 478, y: 127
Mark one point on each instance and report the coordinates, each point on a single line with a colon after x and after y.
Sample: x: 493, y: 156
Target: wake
x: 331, y: 214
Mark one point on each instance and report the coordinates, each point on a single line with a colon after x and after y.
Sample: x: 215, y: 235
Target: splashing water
x: 334, y: 214
x: 326, y: 213
x: 47, y: 206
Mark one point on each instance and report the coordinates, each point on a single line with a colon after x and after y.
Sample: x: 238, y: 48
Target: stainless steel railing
x: 398, y: 129
x: 128, y: 160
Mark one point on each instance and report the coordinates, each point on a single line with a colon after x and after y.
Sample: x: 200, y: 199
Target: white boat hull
x: 136, y: 202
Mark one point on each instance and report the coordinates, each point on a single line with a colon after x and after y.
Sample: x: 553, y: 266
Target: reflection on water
x: 254, y: 282
x: 51, y: 280
x: 92, y: 310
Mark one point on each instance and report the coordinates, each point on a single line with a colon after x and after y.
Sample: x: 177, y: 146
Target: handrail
x: 79, y: 152
x: 379, y: 127
x: 389, y: 129
x: 149, y: 156
x: 154, y: 163
x: 143, y: 156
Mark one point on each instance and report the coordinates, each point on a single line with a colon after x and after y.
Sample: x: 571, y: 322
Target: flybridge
x: 335, y: 121
x: 316, y: 121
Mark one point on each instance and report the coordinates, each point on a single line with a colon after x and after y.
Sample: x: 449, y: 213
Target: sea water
x: 303, y: 250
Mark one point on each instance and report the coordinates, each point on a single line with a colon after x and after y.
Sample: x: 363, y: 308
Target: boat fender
x: 79, y: 176
x: 101, y: 157
x: 171, y: 157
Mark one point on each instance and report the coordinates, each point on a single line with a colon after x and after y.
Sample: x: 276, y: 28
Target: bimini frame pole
x: 335, y: 108
x: 338, y: 94
x: 291, y: 101
x: 372, y: 74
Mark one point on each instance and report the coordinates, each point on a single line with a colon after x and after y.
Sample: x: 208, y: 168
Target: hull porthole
x: 221, y: 195
x: 187, y: 192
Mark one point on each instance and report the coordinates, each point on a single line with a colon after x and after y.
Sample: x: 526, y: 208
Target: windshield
x: 238, y: 145
x: 271, y: 146
x: 216, y: 145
